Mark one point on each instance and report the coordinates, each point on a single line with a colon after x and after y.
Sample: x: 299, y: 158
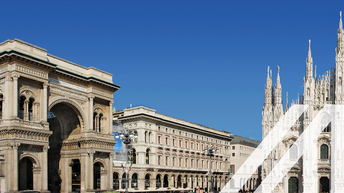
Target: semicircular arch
x: 32, y: 157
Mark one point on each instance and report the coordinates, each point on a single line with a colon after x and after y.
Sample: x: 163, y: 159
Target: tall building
x: 318, y: 91
x: 241, y: 148
x: 168, y: 154
x: 55, y: 122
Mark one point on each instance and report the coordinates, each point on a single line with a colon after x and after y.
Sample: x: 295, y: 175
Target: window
x: 180, y: 143
x: 327, y: 128
x: 202, y: 164
x: 192, y: 163
x: 186, y: 162
x: 166, y: 161
x: 159, y: 160
x: 166, y: 140
x: 180, y: 162
x: 323, y: 151
x: 174, y: 142
x: 231, y: 169
x: 192, y: 145
x: 186, y: 144
x: 197, y: 146
x: 233, y: 154
x: 166, y: 130
x: 147, y: 156
x: 233, y: 147
x: 202, y: 147
x: 197, y: 162
x: 174, y: 162
x: 159, y: 129
x: 159, y: 139
x: 134, y: 156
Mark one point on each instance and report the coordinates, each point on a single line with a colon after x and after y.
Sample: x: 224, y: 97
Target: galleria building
x: 328, y: 89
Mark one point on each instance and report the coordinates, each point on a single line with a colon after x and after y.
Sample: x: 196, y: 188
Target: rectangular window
x: 192, y: 145
x: 180, y: 143
x: 166, y: 140
x: 192, y: 163
x: 159, y: 139
x: 197, y: 146
x: 186, y: 144
x: 186, y: 162
x: 174, y: 142
x: 166, y: 161
x: 233, y: 154
x: 231, y: 169
x: 233, y: 147
x: 202, y: 164
x: 180, y: 162
x: 159, y: 160
x: 174, y: 161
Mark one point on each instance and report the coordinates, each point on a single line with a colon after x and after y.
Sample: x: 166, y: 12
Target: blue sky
x: 201, y: 61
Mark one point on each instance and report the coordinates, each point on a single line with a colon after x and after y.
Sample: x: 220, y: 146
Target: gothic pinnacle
x: 309, y: 49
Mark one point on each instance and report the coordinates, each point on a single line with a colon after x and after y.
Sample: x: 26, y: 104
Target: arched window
x: 323, y: 151
x: 134, y: 181
x: 30, y: 109
x: 134, y: 156
x: 165, y: 181
x: 100, y: 124
x: 21, y: 107
x: 147, y: 156
x: 124, y: 177
x: 94, y: 121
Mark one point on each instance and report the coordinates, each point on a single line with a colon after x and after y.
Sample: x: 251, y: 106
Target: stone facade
x: 318, y: 91
x: 55, y: 122
x: 168, y: 154
x: 241, y: 148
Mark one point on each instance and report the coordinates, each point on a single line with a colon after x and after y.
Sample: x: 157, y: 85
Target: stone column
x: 103, y: 180
x: 15, y: 162
x: 84, y: 173
x: 15, y: 95
x: 36, y: 177
x: 90, y: 168
x: 97, y: 123
x: 152, y: 182
x: 26, y: 110
x: 90, y: 115
x: 44, y: 171
x: 45, y: 102
x: 141, y: 183
x: 110, y: 118
x: 110, y: 171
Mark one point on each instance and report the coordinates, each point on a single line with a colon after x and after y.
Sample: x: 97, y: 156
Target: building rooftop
x: 62, y: 64
x: 245, y: 141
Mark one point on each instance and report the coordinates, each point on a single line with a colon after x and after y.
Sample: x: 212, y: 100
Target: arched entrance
x: 134, y: 183
x: 165, y: 181
x: 64, y: 120
x: 324, y: 184
x: 158, y: 181
x: 179, y: 181
x: 293, y: 185
x: 147, y: 181
x: 115, y: 181
x: 25, y: 171
x: 96, y: 175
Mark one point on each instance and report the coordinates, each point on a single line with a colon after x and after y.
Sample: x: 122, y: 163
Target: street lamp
x: 127, y: 138
x: 211, y: 152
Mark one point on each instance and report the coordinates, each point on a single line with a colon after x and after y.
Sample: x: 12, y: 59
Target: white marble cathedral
x: 327, y: 89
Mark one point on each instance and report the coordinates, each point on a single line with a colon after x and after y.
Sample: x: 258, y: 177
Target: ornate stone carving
x: 33, y: 72
x: 64, y: 92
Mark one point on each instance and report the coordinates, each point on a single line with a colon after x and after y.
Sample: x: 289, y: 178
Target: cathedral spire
x: 268, y: 88
x: 309, y: 63
x: 278, y: 89
x: 286, y: 103
x: 340, y: 44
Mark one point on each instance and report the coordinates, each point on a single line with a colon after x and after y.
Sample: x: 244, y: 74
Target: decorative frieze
x: 102, y: 92
x: 67, y: 84
x: 31, y: 71
x: 24, y: 134
x: 64, y: 92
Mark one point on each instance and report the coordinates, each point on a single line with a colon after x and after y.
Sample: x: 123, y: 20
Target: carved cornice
x: 20, y: 133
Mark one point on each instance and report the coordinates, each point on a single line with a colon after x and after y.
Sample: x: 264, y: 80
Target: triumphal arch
x: 55, y: 122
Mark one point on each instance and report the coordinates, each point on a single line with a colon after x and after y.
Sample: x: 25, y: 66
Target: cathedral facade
x: 326, y: 89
